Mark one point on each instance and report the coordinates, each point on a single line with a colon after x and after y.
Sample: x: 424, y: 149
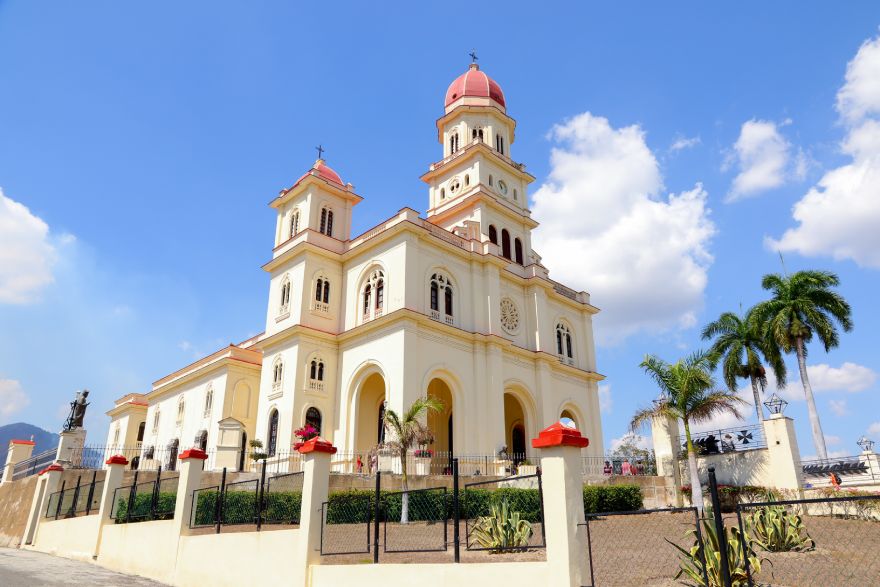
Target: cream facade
x: 455, y: 305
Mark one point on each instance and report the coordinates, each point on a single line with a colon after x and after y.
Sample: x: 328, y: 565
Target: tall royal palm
x: 743, y: 348
x: 803, y: 305
x: 687, y: 393
x: 407, y: 431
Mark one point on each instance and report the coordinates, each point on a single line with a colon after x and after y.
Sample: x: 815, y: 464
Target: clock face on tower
x: 509, y: 316
x: 502, y: 187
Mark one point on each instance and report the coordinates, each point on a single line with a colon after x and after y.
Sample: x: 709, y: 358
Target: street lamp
x: 866, y: 444
x: 775, y: 404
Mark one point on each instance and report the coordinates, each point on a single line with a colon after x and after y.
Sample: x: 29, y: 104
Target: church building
x: 454, y: 304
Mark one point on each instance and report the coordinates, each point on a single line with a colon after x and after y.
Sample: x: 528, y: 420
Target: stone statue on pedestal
x: 77, y: 411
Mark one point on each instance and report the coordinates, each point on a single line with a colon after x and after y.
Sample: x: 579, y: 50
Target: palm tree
x: 687, y: 393
x: 409, y: 431
x: 803, y: 305
x: 742, y: 344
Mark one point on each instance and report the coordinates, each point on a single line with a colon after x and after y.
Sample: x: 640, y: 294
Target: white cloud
x: 832, y: 440
x: 839, y: 407
x: 874, y: 429
x: 12, y: 399
x: 682, y: 143
x: 762, y: 156
x: 605, y: 401
x: 839, y: 216
x: 832, y: 454
x: 848, y: 377
x: 640, y: 441
x: 607, y: 229
x: 27, y: 253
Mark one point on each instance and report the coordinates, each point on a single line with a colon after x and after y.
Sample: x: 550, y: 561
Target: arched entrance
x: 441, y: 424
x: 369, y: 413
x: 514, y: 427
x: 570, y: 415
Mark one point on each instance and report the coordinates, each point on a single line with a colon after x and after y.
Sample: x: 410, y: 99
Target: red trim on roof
x: 117, y: 460
x: 316, y: 444
x: 52, y: 467
x: 560, y: 435
x: 193, y: 453
x: 28, y: 442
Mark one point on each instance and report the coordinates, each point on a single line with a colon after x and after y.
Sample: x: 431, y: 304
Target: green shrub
x: 692, y: 564
x: 776, y: 530
x: 502, y: 529
x: 142, y: 509
x: 612, y: 498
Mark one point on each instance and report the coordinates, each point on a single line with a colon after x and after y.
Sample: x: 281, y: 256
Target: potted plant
x: 304, y: 434
x: 503, y: 463
x: 423, y: 458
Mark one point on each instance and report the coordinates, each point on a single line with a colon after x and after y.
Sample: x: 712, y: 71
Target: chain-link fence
x: 639, y: 548
x: 347, y: 524
x: 150, y: 500
x: 416, y: 520
x: 811, y: 542
x: 282, y: 499
x: 504, y: 515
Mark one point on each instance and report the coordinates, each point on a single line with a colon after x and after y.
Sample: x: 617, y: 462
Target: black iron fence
x: 84, y: 498
x: 724, y: 440
x: 275, y: 499
x: 33, y: 465
x: 141, y: 457
x: 849, y: 471
x: 149, y: 500
x: 607, y: 466
x: 811, y: 542
x: 504, y: 515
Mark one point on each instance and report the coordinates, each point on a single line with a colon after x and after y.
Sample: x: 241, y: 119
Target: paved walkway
x: 24, y: 568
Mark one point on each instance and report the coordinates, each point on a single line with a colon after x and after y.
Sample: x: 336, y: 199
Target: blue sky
x: 139, y: 146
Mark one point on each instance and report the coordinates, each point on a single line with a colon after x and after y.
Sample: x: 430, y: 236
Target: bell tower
x: 477, y: 188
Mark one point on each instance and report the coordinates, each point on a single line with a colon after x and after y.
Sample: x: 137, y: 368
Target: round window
x: 454, y: 185
x: 509, y: 315
x: 502, y: 187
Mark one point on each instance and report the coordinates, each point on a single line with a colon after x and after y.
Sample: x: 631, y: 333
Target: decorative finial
x: 473, y: 55
x: 320, y: 151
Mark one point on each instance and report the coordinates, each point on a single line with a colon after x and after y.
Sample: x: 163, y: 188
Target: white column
x: 19, y: 450
x: 783, y: 456
x: 47, y: 484
x: 563, y: 504
x: 192, y: 462
x: 316, y: 481
x: 665, y: 434
x: 70, y: 443
x: 112, y: 481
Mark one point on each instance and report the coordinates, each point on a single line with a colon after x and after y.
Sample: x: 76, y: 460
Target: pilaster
x: 783, y: 454
x: 19, y: 450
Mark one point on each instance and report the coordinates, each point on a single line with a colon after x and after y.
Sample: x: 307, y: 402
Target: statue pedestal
x: 70, y: 447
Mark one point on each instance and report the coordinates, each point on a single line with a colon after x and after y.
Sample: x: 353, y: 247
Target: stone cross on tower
x: 473, y: 55
x: 320, y: 151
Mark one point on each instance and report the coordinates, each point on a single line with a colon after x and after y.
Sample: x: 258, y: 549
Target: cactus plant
x: 502, y: 529
x: 697, y: 571
x: 775, y: 530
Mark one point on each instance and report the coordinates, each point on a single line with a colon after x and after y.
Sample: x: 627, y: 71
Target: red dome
x: 474, y: 82
x: 324, y: 172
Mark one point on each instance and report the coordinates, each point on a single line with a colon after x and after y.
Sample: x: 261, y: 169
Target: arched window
x: 313, y: 417
x: 272, y: 434
x: 181, y: 410
x: 563, y: 342
x: 441, y: 288
x: 209, y: 401
x: 442, y: 193
x: 141, y: 428
x: 505, y: 243
x: 477, y: 134
x: 156, y: 416
x: 322, y: 292
x: 499, y: 143
x: 202, y: 439
x: 453, y: 143
x: 518, y: 250
x: 374, y: 295
x: 490, y: 180
x: 326, y: 221
x: 493, y: 234
x: 116, y: 435
x: 171, y: 464
x: 294, y: 223
x: 467, y: 180
x: 316, y: 370
x: 277, y: 373
x: 284, y: 306
x: 515, y: 196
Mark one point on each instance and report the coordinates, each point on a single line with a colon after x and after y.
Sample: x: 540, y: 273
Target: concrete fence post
x: 783, y: 454
x: 316, y: 482
x: 192, y: 463
x: 112, y: 481
x: 563, y: 504
x: 47, y: 483
x: 19, y: 450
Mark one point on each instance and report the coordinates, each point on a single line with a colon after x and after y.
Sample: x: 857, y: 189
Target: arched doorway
x: 442, y: 424
x: 369, y: 413
x: 570, y: 415
x: 514, y: 427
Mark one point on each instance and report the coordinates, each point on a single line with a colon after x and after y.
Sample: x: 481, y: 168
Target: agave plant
x: 697, y: 571
x: 775, y: 530
x: 501, y: 529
